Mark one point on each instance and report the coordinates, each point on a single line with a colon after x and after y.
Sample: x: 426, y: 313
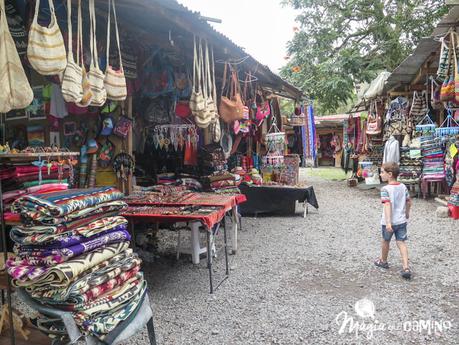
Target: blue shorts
x: 399, y: 230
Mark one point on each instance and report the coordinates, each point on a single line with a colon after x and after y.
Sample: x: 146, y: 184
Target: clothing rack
x: 23, y: 157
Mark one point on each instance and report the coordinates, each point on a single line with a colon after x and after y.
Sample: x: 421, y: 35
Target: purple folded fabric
x: 49, y: 257
x: 65, y: 242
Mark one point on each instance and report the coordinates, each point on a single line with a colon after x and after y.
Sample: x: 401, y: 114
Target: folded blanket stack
x: 212, y: 159
x: 19, y: 177
x: 454, y: 194
x: 72, y: 254
x: 432, y: 158
x: 223, y: 180
x: 410, y: 165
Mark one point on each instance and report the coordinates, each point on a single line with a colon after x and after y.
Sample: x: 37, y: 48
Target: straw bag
x: 16, y: 91
x: 85, y: 85
x: 46, y: 49
x: 231, y: 107
x: 456, y: 72
x: 197, y: 103
x: 115, y: 81
x: 95, y: 75
x: 72, y: 89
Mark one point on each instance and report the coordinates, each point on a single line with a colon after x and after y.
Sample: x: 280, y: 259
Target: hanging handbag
x: 205, y: 117
x: 95, y: 75
x: 46, y: 49
x: 456, y: 72
x: 374, y: 121
x: 444, y: 61
x: 197, y: 103
x: 17, y: 27
x: 182, y: 109
x: 231, y: 107
x: 72, y: 89
x: 85, y: 85
x: 115, y: 81
x: 447, y: 88
x: 16, y: 91
x: 123, y: 127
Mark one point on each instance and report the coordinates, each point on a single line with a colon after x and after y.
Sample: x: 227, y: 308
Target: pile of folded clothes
x: 433, y: 159
x: 16, y: 177
x: 454, y: 195
x: 21, y: 180
x: 223, y: 180
x: 212, y: 159
x: 410, y: 165
x: 72, y: 254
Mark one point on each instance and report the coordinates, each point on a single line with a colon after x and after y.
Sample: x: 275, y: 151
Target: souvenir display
x: 73, y: 256
x: 17, y: 93
x: 45, y: 49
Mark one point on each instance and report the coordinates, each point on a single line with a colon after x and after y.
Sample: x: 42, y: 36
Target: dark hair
x: 391, y: 167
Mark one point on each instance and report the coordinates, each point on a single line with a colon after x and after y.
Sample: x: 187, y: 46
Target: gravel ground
x: 293, y: 276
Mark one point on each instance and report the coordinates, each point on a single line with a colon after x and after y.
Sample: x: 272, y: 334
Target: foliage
x: 341, y: 43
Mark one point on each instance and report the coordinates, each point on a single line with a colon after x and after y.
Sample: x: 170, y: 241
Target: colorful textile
x: 50, y: 237
x: 94, y: 276
x: 62, y: 274
x: 77, y: 216
x: 63, y: 203
x: 104, y: 323
x: 49, y: 257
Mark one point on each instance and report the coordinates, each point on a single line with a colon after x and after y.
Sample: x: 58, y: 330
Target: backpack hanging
x: 46, y: 49
x: 115, y: 81
x: 16, y: 93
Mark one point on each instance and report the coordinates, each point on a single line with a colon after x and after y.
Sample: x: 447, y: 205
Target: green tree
x: 340, y: 43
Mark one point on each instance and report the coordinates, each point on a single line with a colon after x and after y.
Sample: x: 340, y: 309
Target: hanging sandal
x: 406, y: 273
x: 381, y: 263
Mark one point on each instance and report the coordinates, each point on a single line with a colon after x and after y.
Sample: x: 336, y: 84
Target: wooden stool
x: 439, y: 186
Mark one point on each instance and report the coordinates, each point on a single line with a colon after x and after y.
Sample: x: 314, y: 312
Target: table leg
x: 226, y: 247
x: 235, y: 228
x: 195, y: 246
x: 151, y: 332
x: 209, y: 262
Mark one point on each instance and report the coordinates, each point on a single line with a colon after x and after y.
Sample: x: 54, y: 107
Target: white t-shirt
x: 397, y: 194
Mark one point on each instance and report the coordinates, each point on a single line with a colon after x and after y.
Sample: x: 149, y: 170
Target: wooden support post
x: 129, y: 142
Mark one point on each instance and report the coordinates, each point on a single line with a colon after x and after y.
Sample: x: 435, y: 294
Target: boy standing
x: 396, y: 212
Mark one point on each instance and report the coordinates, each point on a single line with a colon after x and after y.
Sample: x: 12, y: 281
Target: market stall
x: 138, y: 95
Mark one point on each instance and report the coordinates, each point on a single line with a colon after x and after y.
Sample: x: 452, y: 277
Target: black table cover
x: 274, y: 199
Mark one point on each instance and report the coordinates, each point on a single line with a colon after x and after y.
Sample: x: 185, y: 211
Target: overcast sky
x: 261, y: 27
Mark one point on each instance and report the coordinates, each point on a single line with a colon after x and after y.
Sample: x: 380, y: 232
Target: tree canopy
x: 341, y: 43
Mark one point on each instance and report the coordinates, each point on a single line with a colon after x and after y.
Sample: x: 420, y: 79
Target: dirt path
x: 293, y: 276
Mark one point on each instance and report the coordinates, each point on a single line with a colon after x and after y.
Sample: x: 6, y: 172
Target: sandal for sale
x: 406, y: 273
x: 381, y: 263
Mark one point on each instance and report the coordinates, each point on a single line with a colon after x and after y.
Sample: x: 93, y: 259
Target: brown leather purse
x: 231, y: 107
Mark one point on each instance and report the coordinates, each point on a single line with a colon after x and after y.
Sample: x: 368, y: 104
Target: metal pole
x: 226, y: 245
x: 209, y: 261
x: 5, y: 255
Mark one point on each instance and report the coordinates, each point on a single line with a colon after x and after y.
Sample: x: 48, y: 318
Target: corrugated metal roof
x: 204, y: 25
x: 408, y: 69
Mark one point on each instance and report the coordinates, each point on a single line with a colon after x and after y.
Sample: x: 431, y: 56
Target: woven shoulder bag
x: 16, y: 91
x: 95, y: 75
x: 115, y: 81
x: 46, y: 49
x: 72, y: 89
